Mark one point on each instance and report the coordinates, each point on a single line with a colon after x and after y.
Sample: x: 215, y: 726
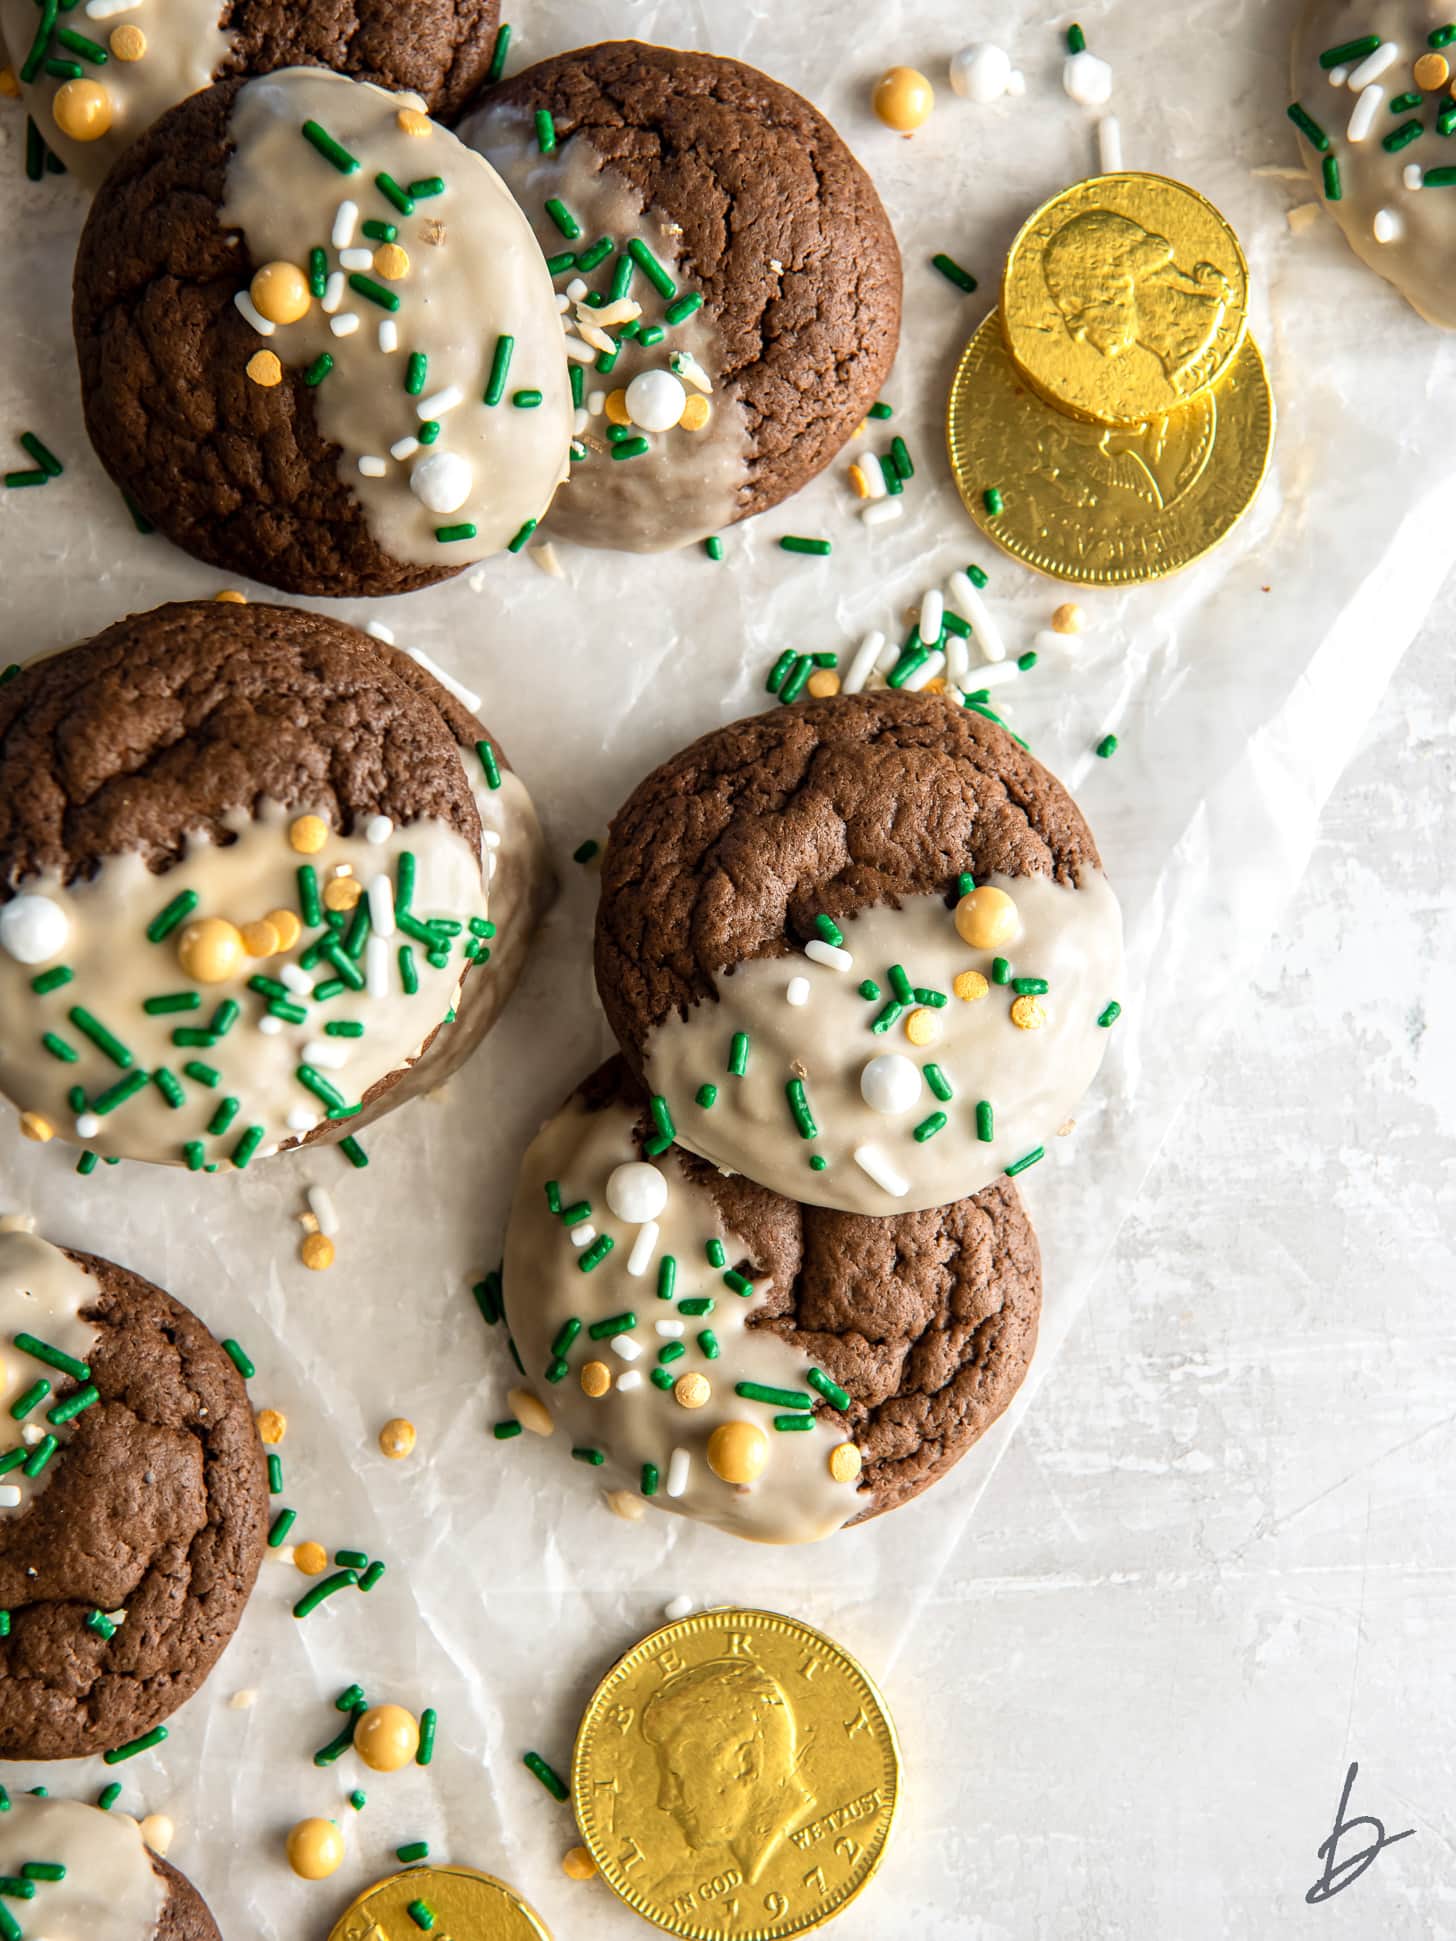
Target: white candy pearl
x: 442, y: 481
x: 655, y: 400
x: 636, y: 1192
x: 890, y: 1083
x: 33, y: 928
x: 980, y: 72
x: 1087, y: 80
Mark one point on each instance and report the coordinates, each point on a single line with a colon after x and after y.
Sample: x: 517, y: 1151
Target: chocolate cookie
x: 243, y: 857
x: 735, y: 281
x: 138, y: 62
x: 773, y: 1369
x: 133, y: 1503
x: 112, y: 1884
x: 860, y: 949
x: 317, y: 340
x: 1370, y: 79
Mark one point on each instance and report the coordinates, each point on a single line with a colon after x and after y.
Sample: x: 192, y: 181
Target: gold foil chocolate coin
x: 448, y: 1903
x: 1125, y: 298
x: 736, y: 1774
x: 1096, y: 504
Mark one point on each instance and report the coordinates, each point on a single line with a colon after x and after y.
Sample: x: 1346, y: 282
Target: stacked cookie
x: 769, y: 1267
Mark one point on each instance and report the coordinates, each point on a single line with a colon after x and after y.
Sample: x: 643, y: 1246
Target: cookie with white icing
x: 733, y: 281
x: 96, y: 78
x: 1375, y: 107
x: 860, y: 950
x: 318, y: 344
x: 112, y: 1887
x: 773, y: 1369
x: 133, y: 1503
x: 263, y: 879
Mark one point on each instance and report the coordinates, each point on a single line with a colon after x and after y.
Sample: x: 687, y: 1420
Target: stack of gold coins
x: 445, y: 1903
x: 1112, y: 421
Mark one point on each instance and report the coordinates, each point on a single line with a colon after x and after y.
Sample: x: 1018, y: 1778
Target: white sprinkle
x: 669, y: 1330
x: 295, y: 978
x: 1109, y: 144
x: 9, y: 1496
x: 880, y: 512
x: 373, y: 468
x: 250, y: 311
x: 957, y: 657
x: 1387, y: 227
x: 463, y: 694
x: 863, y: 664
x: 932, y: 617
x: 926, y: 671
x: 321, y: 1206
x: 626, y: 1347
x: 828, y: 954
x: 388, y: 334
x: 775, y: 265
x: 245, y: 1700
x: 300, y: 1119
x: 381, y: 905
x: 580, y: 421
x: 886, y: 657
x: 345, y: 324
x: 873, y: 474
x: 345, y: 216
x: 269, y: 1025
x: 378, y: 631
x: 31, y: 1434
x: 329, y: 1054
x: 333, y: 294
x: 404, y: 448
x: 1338, y: 76
x: 1016, y: 83
x: 583, y: 353
x: 583, y: 1235
x: 379, y: 828
x: 967, y: 601
x: 376, y: 967
x: 1362, y: 115
x: 797, y: 991
x: 1414, y: 176
x: 598, y: 339
x: 629, y: 1379
x: 678, y: 1608
x: 575, y: 290
x: 439, y: 403
x: 643, y: 1248
x: 108, y: 9
x: 1374, y: 65
x: 678, y: 1465
x: 596, y: 402
x: 563, y: 304
x: 492, y: 838
x: 158, y: 1832
x: 980, y: 72
x: 998, y: 676
x: 1087, y: 79
x: 356, y: 259
x: 871, y: 1160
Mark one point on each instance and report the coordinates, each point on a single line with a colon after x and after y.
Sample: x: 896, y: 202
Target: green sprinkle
x: 573, y: 1215
x: 1028, y: 1159
x: 222, y: 1118
x: 525, y: 400
x: 1310, y: 128
x: 371, y: 1576
x: 402, y: 200
x: 778, y: 1398
x: 630, y: 447
x: 408, y: 976
x: 889, y: 1017
x: 992, y: 500
x: 565, y: 1335
x: 375, y: 292
x: 558, y: 265
x: 309, y: 906
x: 102, y: 1625
x: 429, y: 431
x: 32, y: 1398
x: 354, y: 1152
x: 351, y: 1559
x: 829, y: 1389
x: 597, y: 1457
x: 739, y: 1283
x: 1442, y: 36
x: 118, y: 1094
x: 89, y: 50
x: 73, y: 1405
x: 1076, y: 39
x: 44, y: 28
x: 331, y: 150
x: 522, y: 535
x: 59, y: 1048
x: 42, y: 454
x: 52, y: 980
x: 195, y: 1154
x: 1348, y: 51
x: 204, y: 1074
x: 829, y: 930
x: 794, y: 686
x: 318, y: 272
x: 936, y: 1079
x: 337, y: 1747
x: 1110, y: 1015
x: 600, y: 250
x: 239, y: 1360
x: 281, y: 1525
x: 649, y: 1479
x: 158, y: 1007
x: 662, y: 1117
x: 427, y: 186
x: 36, y: 156
x: 666, y: 1277
x: 545, y: 131
x: 706, y: 1096
x: 1401, y: 105
x: 738, y: 1054
x: 1030, y: 986
x: 716, y: 1253
x: 697, y: 1304
x: 584, y: 851
x: 275, y: 1475
x: 133, y: 1746
x: 379, y: 232
x: 109, y: 1795
x: 1108, y: 744
x: 656, y: 275
x: 1440, y: 178
x: 647, y: 334
x: 1000, y: 970
x: 784, y: 1423
x: 792, y: 543
x: 20, y: 479
x: 341, y: 1580
x: 779, y: 670
x: 169, y: 1087
x: 900, y: 456
x: 596, y: 1253
x: 565, y: 221
x: 614, y: 1324
x: 103, y: 1039
x: 713, y: 546
x: 623, y: 270
x: 1333, y: 190
x: 1393, y: 143
x: 928, y: 1128
x: 447, y: 535
x: 243, y: 1151
x: 505, y: 1431
x: 534, y: 1763
x: 414, y: 1850
x: 799, y: 1108
x: 489, y: 763
x: 951, y: 270
x: 88, y: 1162
x: 869, y: 990
x: 416, y: 372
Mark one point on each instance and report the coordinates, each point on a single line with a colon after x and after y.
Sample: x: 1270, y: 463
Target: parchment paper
x: 1238, y: 691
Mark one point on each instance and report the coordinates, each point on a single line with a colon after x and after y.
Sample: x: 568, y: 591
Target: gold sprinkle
x: 317, y: 1252
x: 845, y: 1462
x: 970, y: 987
x: 695, y: 413
x: 272, y: 1425
x: 342, y: 892
x: 287, y: 927
x: 412, y: 121
x: 577, y: 1864
x: 692, y: 1391
x: 935, y: 685
x: 9, y: 84
x: 1068, y: 619
x: 397, y: 1438
x: 391, y: 261
x: 33, y: 1126
x: 530, y: 1411
x: 264, y: 368
x: 1432, y: 71
x: 596, y: 1378
x: 231, y: 597
x: 311, y: 1558
x: 260, y: 939
x: 616, y: 408
x: 127, y: 43
x: 922, y: 1027
x: 308, y: 834
x: 857, y: 480
x: 1027, y: 1013
x: 822, y: 683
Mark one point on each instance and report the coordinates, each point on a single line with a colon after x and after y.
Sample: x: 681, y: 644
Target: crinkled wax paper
x: 1238, y: 691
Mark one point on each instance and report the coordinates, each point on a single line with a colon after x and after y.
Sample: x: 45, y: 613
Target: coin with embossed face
x: 1125, y: 298
x: 736, y: 1774
x: 1097, y: 504
x: 445, y: 1903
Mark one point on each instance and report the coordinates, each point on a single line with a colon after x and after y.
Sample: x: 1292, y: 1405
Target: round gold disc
x: 1125, y: 298
x: 736, y: 1774
x: 1097, y: 505
x: 465, y: 1906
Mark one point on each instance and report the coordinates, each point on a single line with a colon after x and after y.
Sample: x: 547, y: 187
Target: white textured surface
x: 1126, y: 1690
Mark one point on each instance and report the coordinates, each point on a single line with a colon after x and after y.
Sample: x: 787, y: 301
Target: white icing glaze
x: 185, y: 47
x: 111, y: 1890
x: 42, y: 1293
x: 115, y: 968
x: 1033, y: 1079
x: 474, y: 274
x: 795, y: 1500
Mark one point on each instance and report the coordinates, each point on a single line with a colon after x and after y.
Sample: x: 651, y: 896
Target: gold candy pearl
x: 260, y: 939
x: 903, y: 99
x: 1068, y: 619
x: 272, y: 1425
x: 311, y: 1558
x: 316, y: 1251
x: 342, y: 892
x: 391, y: 262
x: 970, y: 987
x: 315, y: 1849
x: 82, y: 110
x: 280, y: 293
x: 822, y: 683
x: 1431, y: 71
x: 397, y: 1438
x: 287, y: 926
x: 412, y: 121
x: 692, y: 1391
x: 738, y: 1452
x: 596, y: 1378
x: 845, y: 1462
x: 230, y: 595
x: 9, y: 84
x: 127, y: 43
x: 577, y: 1864
x: 386, y: 1738
x: 1027, y: 1014
x: 264, y: 369
x: 308, y: 834
x: 210, y: 950
x: 922, y: 1027
x: 987, y: 918
x: 695, y: 413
